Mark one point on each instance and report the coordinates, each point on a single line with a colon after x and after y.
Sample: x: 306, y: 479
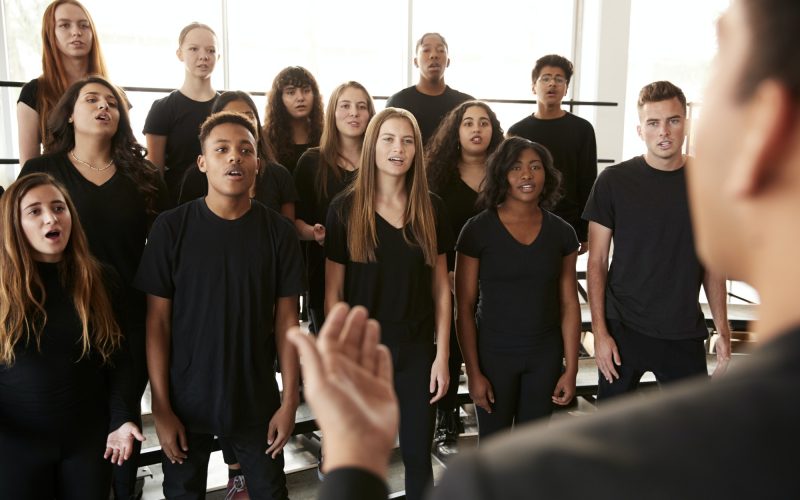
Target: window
x: 676, y: 44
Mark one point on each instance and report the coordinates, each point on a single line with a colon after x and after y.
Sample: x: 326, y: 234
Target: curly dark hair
x: 277, y: 121
x: 444, y: 149
x: 128, y: 155
x: 501, y: 161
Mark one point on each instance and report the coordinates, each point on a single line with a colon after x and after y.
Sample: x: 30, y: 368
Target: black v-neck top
x: 397, y: 287
x: 518, y: 283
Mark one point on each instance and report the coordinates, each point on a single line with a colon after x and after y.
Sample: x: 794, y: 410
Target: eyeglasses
x: 559, y: 80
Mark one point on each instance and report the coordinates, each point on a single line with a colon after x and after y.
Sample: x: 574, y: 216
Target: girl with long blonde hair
x: 324, y: 172
x: 386, y: 242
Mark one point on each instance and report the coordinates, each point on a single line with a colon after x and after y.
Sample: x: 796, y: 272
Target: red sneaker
x: 237, y: 489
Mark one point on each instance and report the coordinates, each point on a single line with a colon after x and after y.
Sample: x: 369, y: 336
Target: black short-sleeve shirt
x: 397, y: 287
x: 313, y: 209
x: 178, y: 118
x: 429, y: 110
x: 655, y: 276
x: 461, y: 202
x: 29, y: 94
x: 290, y: 157
x: 520, y: 304
x: 224, y: 278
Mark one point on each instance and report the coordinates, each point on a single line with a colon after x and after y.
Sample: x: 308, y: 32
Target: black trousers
x: 669, y: 360
x: 522, y: 383
x: 67, y: 464
x: 316, y: 316
x: 264, y: 476
x: 449, y: 402
x: 412, y: 356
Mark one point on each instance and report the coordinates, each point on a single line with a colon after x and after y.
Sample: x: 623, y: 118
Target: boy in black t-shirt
x: 430, y: 99
x: 222, y: 274
x: 569, y: 138
x: 645, y: 311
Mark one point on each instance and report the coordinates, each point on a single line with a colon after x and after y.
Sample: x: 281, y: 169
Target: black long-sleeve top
x: 51, y: 388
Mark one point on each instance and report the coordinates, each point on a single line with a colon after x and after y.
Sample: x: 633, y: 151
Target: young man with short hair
x: 645, y: 310
x: 569, y: 138
x: 222, y: 274
x: 430, y: 99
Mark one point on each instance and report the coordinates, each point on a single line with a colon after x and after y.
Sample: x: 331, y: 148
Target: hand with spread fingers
x: 347, y: 377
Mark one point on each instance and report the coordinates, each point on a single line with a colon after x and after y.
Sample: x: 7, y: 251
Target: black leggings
x: 450, y: 400
x: 412, y: 370
x: 66, y: 465
x: 522, y: 383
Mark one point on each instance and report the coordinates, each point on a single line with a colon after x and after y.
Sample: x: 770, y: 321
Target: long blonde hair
x: 419, y: 221
x: 330, y: 146
x: 22, y: 293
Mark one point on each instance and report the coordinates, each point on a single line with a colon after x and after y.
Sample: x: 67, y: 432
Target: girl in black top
x: 386, y: 240
x: 519, y: 260
x: 117, y: 193
x: 70, y: 51
x: 62, y: 373
x: 324, y: 172
x: 274, y: 186
x: 293, y: 119
x: 173, y: 122
x: 456, y: 165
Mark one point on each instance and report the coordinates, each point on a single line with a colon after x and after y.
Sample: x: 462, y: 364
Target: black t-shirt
x: 655, y: 276
x: 113, y: 215
x: 289, y: 158
x: 397, y: 287
x: 429, y: 110
x: 178, y: 118
x: 571, y: 141
x: 461, y: 202
x: 223, y: 278
x: 519, y: 305
x: 51, y: 389
x: 274, y: 186
x: 313, y: 209
x: 29, y: 94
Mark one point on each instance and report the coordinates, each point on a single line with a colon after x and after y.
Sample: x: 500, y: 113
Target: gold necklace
x: 107, y: 165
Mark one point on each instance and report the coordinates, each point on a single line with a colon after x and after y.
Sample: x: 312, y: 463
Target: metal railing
x: 570, y: 103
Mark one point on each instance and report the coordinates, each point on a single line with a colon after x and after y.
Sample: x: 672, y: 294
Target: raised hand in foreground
x: 347, y: 378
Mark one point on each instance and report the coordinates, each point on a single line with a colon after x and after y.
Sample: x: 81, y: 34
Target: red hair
x: 53, y: 81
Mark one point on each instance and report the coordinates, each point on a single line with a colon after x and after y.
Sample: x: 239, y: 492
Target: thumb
x: 617, y: 359
x: 137, y: 434
x: 182, y: 439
